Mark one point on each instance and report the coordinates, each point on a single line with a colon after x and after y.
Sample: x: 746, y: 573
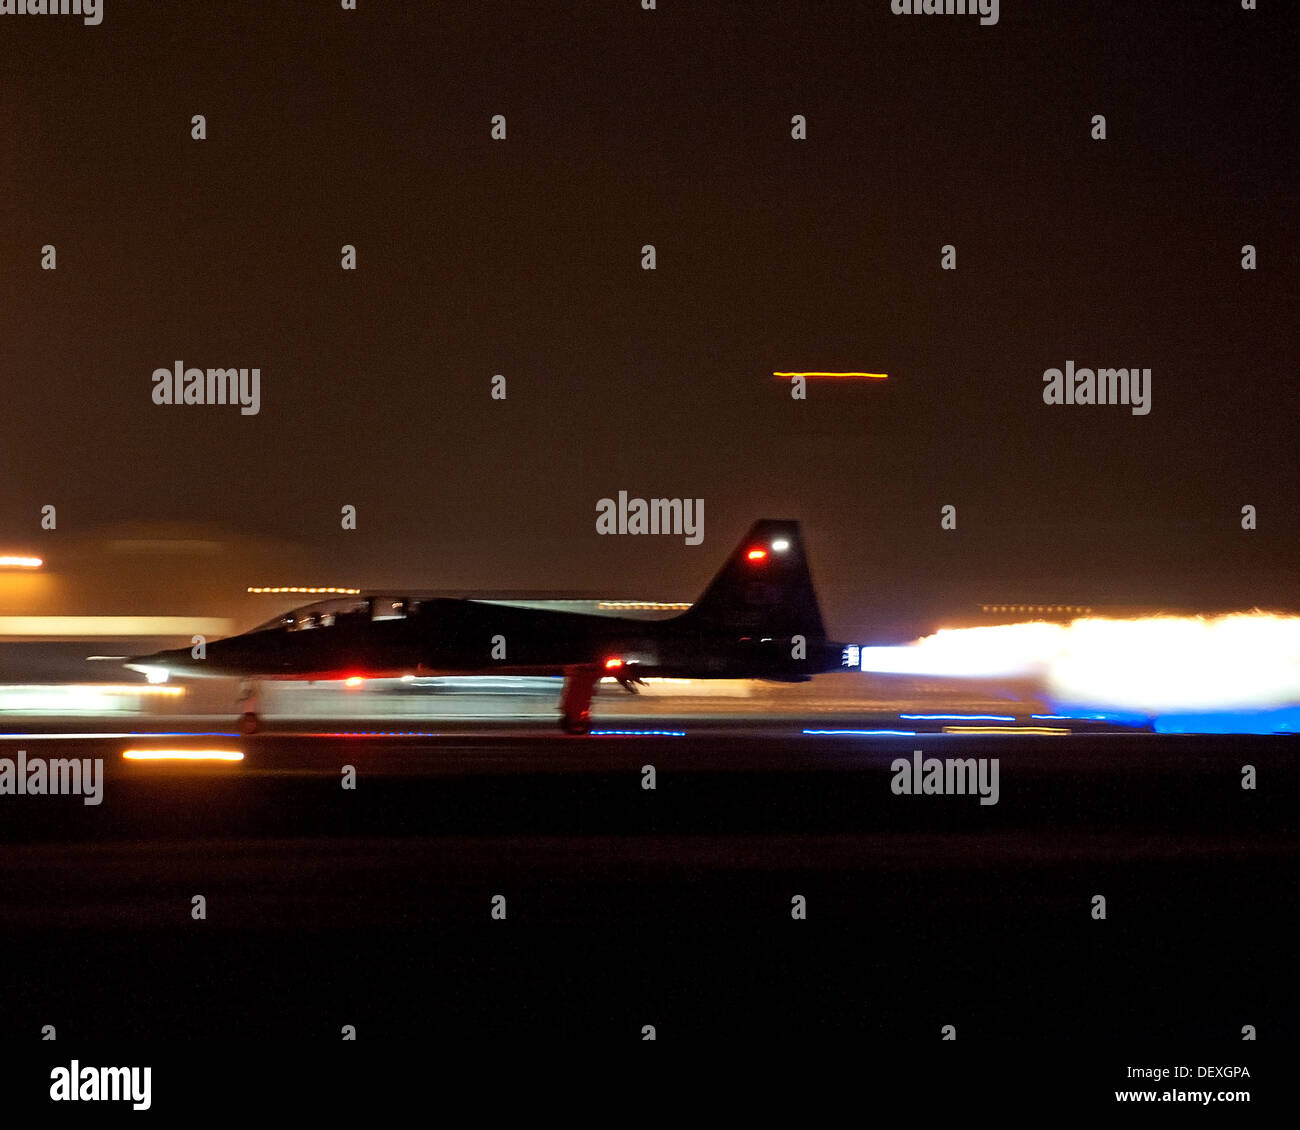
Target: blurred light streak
x: 82, y: 626
x: 679, y: 606
x: 117, y: 734
x: 958, y: 717
x: 307, y: 590
x: 1115, y: 717
x: 819, y: 374
x: 74, y: 698
x: 182, y: 755
x: 1285, y: 721
x: 864, y: 733
x: 96, y: 688
x: 1004, y: 730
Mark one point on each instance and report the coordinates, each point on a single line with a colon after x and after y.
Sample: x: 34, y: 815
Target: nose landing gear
x: 249, y: 722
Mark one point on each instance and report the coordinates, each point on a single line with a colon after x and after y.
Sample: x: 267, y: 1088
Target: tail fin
x: 764, y: 589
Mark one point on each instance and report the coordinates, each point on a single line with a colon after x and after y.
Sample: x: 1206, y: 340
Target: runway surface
x: 673, y: 907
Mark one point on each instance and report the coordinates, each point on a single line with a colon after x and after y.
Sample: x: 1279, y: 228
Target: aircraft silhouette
x: 758, y: 619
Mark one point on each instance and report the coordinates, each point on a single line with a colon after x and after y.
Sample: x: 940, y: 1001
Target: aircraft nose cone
x: 156, y: 667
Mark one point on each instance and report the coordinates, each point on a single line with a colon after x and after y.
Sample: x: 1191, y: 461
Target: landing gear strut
x: 249, y: 722
x: 575, y: 701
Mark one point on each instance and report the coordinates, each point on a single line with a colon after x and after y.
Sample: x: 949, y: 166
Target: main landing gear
x: 249, y: 722
x: 575, y: 700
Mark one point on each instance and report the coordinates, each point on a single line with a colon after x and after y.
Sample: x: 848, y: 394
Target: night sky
x: 523, y: 257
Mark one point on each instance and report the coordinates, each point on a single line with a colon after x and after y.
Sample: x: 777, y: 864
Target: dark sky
x: 522, y: 257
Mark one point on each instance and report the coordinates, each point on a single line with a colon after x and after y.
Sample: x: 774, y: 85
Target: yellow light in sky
x: 822, y: 373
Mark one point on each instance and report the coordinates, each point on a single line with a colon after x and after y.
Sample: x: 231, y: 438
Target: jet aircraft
x: 758, y: 619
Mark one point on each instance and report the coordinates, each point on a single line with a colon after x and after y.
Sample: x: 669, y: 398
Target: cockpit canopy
x: 342, y: 610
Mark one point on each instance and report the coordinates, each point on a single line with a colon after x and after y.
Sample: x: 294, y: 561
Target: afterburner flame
x: 1241, y: 661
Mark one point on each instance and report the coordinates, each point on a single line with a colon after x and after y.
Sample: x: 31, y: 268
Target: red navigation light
x: 611, y: 664
x: 756, y: 554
